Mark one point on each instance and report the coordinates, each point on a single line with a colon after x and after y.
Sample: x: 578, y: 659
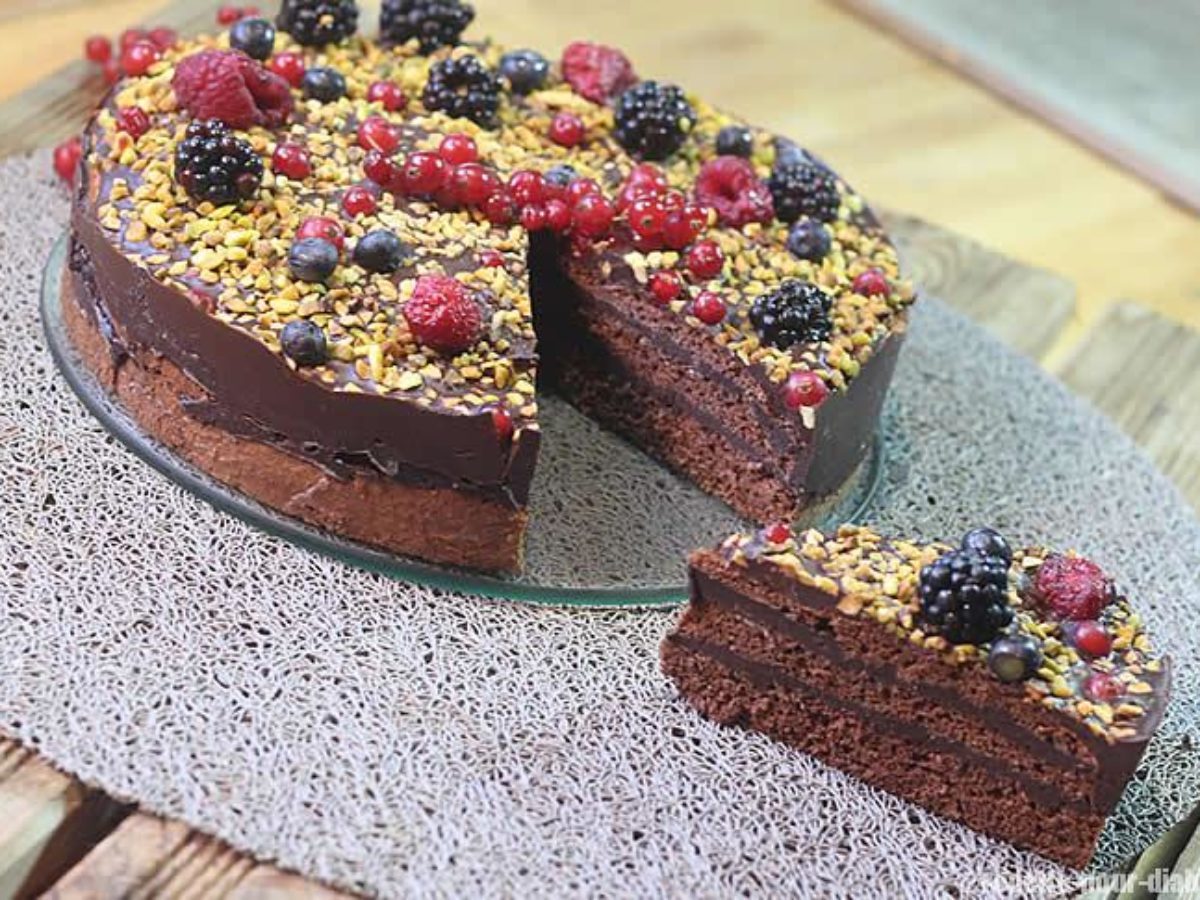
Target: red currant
x: 1103, y: 687
x: 163, y: 38
x: 358, y: 201
x: 1091, y: 638
x: 324, y: 228
x: 383, y: 170
x: 112, y: 72
x: 593, y: 215
x: 558, y: 216
x: 139, y: 57
x: 682, y: 226
x: 649, y: 178
x: 457, y: 149
x: 646, y: 217
x: 424, y: 173
x: 131, y: 36
x: 292, y: 161
x: 503, y: 423
x: 567, y: 130
x: 778, y: 533
x: 66, y: 158
x: 377, y: 133
x: 672, y: 201
x: 665, y: 285
x: 491, y: 259
x: 387, y: 93
x: 804, y: 389
x: 472, y: 183
x: 133, y: 121
x: 705, y: 260
x: 527, y: 188
x: 500, y: 208
x: 251, y: 12
x: 533, y: 218
x: 872, y: 283
x: 289, y: 66
x: 709, y: 308
x: 580, y: 188
x: 227, y: 15
x: 98, y: 49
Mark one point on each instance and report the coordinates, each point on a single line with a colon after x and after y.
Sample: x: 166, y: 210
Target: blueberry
x: 312, y: 259
x: 561, y: 175
x: 304, y: 342
x: 734, y: 140
x: 324, y: 84
x: 380, y: 251
x: 809, y: 240
x: 525, y: 70
x: 988, y: 542
x: 1014, y: 658
x: 254, y: 37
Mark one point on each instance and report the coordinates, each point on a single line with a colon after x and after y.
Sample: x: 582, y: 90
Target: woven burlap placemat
x: 396, y: 739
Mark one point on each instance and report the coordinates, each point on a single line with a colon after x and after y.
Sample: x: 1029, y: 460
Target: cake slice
x: 1013, y: 692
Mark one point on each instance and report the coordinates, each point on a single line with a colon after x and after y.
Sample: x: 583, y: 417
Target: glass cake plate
x: 609, y: 527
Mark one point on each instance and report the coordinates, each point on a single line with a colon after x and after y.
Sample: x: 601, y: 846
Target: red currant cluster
x: 228, y: 15
x: 136, y: 51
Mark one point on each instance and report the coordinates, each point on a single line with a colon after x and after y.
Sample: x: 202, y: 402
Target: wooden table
x: 879, y: 111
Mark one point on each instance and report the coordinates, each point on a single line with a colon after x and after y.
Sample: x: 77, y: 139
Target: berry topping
x: 804, y: 189
x: 424, y: 173
x: 288, y: 66
x: 567, y: 130
x: 312, y: 260
x: 533, y: 217
x: 804, y: 390
x: 359, y: 201
x: 987, y: 542
x: 705, y: 260
x: 682, y: 226
x: 463, y: 87
x: 593, y: 215
x: 377, y: 133
x: 794, y: 313
x: 112, y: 72
x: 734, y: 140
x: 254, y: 37
x: 98, y: 49
x: 524, y: 70
x: 139, y: 57
x: 503, y: 423
x: 500, y: 208
x: 709, y: 308
x: 457, y: 149
x: 558, y: 215
x: 665, y: 285
x: 646, y: 217
x: 387, y: 93
x: 131, y: 36
x: 491, y: 259
x: 314, y: 23
x: 133, y: 120
x: 227, y: 15
x: 527, y: 187
x: 380, y: 251
x: 596, y: 71
x: 163, y: 38
x: 1091, y: 639
x: 215, y: 165
x: 442, y: 314
x: 809, y: 240
x: 66, y: 158
x: 303, y: 342
x: 1102, y: 687
x: 1072, y: 587
x: 872, y: 283
x: 324, y: 84
x: 652, y: 120
x: 557, y: 179
x: 384, y: 171
x: 1014, y: 658
x: 778, y: 533
x: 728, y: 184
x: 964, y: 597
x: 291, y: 160
x: 471, y: 184
x: 225, y: 85
x: 433, y: 23
x: 326, y: 229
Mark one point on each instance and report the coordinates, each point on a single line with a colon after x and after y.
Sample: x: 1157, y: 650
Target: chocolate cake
x: 335, y: 273
x: 1013, y: 692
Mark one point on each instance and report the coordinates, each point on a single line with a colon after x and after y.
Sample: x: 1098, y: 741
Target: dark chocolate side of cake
x: 682, y: 398
x: 757, y: 650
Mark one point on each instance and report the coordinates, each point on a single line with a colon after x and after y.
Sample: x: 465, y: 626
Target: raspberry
x: 728, y: 184
x: 872, y: 283
x: 359, y: 201
x: 133, y: 121
x: 596, y: 71
x: 709, y: 308
x: 1073, y: 587
x: 66, y: 158
x: 324, y: 228
x: 139, y: 57
x: 442, y: 314
x: 225, y: 85
x: 292, y: 161
x: 377, y: 133
x: 98, y: 49
x: 388, y: 94
x: 705, y: 260
x: 567, y: 130
x: 665, y: 285
x: 804, y: 389
x: 289, y: 66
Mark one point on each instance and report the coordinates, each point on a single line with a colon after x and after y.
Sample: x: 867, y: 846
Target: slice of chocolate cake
x: 1011, y: 692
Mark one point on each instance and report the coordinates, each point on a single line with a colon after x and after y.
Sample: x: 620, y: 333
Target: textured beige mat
x: 399, y: 740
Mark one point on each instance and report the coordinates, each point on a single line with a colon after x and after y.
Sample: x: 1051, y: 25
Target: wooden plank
x: 1024, y: 306
x: 1159, y: 409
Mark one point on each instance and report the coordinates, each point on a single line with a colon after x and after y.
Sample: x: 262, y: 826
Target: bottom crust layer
x: 440, y: 525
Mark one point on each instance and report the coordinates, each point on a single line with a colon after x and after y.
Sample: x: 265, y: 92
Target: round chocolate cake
x: 335, y: 273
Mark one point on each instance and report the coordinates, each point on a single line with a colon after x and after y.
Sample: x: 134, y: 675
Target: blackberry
x: 734, y: 140
x: 795, y: 313
x: 988, y: 542
x: 215, y: 165
x: 463, y: 88
x: 964, y: 597
x: 802, y: 188
x: 652, y: 120
x: 434, y: 23
x: 315, y: 23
